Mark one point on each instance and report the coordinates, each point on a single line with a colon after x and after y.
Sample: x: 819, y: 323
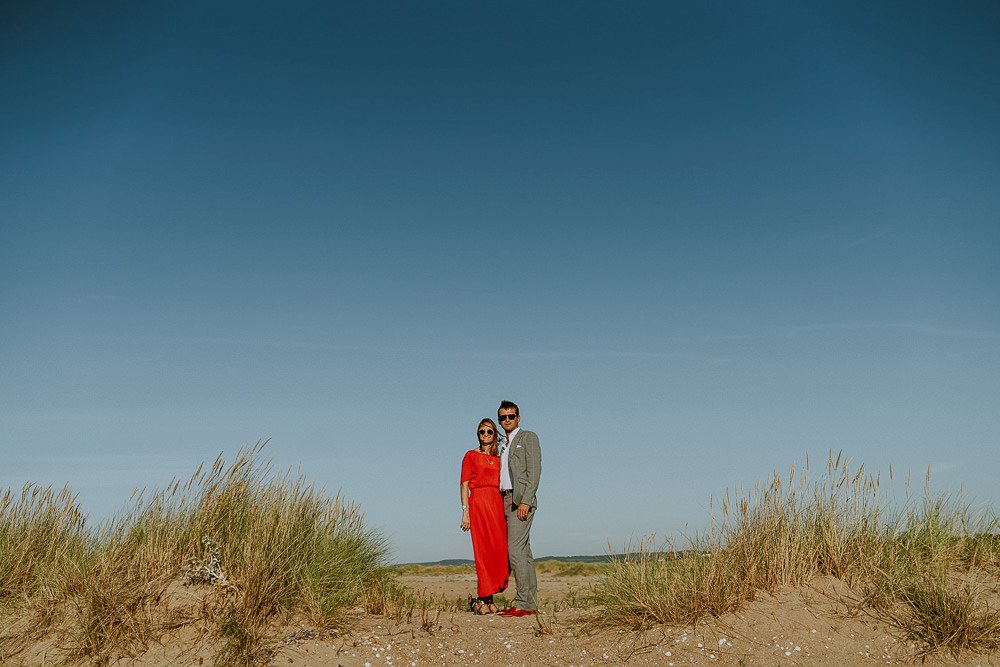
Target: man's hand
x: 522, y: 511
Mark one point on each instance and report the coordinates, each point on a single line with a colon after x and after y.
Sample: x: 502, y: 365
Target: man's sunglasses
x: 486, y: 431
x: 505, y: 418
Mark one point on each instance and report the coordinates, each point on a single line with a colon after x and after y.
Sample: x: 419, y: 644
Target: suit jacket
x: 525, y: 464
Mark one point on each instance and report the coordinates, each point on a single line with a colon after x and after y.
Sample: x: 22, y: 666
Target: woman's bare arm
x: 463, y: 492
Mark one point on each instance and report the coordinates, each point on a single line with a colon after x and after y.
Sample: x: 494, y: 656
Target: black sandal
x: 480, y: 608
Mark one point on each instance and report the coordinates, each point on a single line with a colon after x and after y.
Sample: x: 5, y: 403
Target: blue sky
x: 694, y: 241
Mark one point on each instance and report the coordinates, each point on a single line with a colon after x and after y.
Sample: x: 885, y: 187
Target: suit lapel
x: 510, y: 443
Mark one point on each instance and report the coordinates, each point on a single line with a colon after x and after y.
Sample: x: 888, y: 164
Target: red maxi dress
x: 487, y: 521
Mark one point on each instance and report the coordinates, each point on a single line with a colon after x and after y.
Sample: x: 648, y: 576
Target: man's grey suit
x: 525, y: 463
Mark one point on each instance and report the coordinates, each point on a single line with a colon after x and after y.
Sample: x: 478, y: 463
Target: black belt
x: 506, y: 492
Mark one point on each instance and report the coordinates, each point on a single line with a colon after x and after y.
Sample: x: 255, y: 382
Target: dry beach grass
x: 239, y: 566
x: 266, y: 548
x: 929, y: 569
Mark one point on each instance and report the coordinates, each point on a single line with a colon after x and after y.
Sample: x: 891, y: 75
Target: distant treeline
x: 606, y: 558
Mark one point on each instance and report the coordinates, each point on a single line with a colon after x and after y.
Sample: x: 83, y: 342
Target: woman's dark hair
x: 494, y: 447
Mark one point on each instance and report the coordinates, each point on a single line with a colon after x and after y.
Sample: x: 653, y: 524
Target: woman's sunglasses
x: 486, y: 431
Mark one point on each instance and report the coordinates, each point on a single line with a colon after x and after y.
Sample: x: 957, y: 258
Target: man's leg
x: 521, y: 561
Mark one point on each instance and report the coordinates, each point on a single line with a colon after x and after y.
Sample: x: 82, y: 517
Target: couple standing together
x: 499, y: 480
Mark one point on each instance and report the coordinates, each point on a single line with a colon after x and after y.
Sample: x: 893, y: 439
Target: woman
x: 482, y: 513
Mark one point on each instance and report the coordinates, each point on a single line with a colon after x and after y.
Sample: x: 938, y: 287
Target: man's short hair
x: 507, y: 405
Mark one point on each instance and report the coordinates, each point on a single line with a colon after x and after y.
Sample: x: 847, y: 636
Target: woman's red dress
x: 487, y: 521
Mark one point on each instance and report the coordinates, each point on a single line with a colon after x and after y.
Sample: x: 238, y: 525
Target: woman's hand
x: 465, y: 520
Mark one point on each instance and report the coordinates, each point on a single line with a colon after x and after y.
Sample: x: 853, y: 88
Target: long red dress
x: 487, y: 521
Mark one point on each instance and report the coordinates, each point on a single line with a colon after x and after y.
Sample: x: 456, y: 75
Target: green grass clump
x: 786, y: 532
x: 558, y: 568
x: 264, y: 548
x: 414, y: 569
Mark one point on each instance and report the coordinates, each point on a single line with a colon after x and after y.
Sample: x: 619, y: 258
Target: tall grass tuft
x: 261, y: 548
x: 40, y: 531
x: 790, y: 529
x: 948, y: 617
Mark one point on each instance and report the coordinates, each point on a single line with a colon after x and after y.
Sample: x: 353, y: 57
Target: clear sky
x: 693, y: 241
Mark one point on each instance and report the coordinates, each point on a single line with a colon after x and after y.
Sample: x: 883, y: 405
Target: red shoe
x: 514, y: 612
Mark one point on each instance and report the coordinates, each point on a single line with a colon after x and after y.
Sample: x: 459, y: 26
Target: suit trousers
x: 519, y: 553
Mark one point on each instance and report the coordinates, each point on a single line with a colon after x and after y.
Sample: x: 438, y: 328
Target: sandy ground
x: 796, y: 627
x: 804, y: 627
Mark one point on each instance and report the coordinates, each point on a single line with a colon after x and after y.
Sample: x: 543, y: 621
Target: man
x: 520, y: 470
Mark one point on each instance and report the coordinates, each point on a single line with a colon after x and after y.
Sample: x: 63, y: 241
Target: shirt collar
x: 510, y: 438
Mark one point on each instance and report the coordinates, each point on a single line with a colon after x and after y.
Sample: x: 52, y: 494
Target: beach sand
x: 795, y: 627
x: 808, y: 626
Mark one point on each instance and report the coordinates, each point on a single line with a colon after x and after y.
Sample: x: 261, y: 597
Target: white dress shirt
x: 505, y: 482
